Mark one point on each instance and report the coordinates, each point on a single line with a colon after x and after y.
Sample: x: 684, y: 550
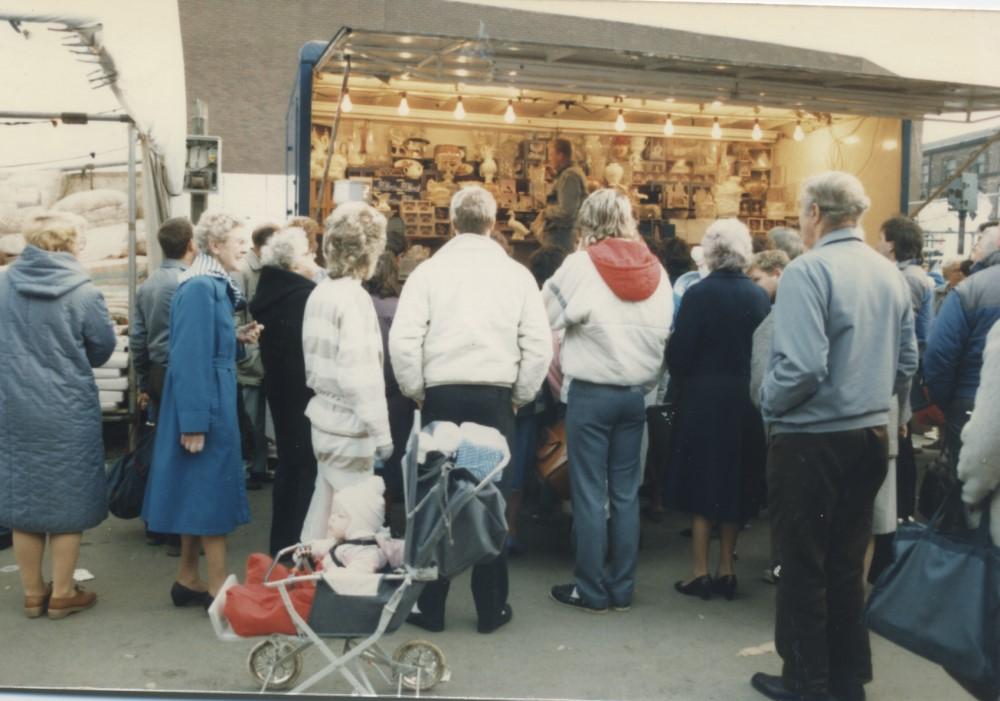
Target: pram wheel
x: 279, y: 656
x: 423, y: 664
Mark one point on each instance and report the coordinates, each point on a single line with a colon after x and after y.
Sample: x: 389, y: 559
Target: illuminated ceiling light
x: 798, y: 135
x: 461, y: 72
x: 756, y: 134
x: 620, y: 121
x: 462, y: 59
x: 670, y: 99
x: 890, y: 145
x: 459, y: 109
x: 852, y: 139
x: 508, y: 115
x: 405, y: 40
x: 668, y: 127
x: 716, y: 129
x: 720, y: 67
x: 511, y: 73
x: 404, y: 76
x: 717, y: 103
x: 345, y: 102
x: 405, y: 54
x: 513, y: 48
x: 404, y: 106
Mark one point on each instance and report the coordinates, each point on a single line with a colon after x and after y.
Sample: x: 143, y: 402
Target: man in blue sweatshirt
x: 843, y: 343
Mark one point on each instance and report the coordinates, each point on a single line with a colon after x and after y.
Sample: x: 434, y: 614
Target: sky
x: 956, y: 45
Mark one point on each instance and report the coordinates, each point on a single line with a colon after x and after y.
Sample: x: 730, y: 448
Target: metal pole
x: 199, y: 200
x: 333, y: 143
x: 132, y: 281
x: 961, y: 232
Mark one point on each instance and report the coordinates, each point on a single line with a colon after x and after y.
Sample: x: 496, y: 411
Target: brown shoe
x: 62, y: 606
x: 34, y: 606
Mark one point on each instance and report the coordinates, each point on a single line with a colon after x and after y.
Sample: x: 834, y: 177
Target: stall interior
x: 409, y: 144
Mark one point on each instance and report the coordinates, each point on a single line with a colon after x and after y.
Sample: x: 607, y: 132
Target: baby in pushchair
x: 359, y: 584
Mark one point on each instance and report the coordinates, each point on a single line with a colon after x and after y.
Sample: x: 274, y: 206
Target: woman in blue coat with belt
x: 196, y: 485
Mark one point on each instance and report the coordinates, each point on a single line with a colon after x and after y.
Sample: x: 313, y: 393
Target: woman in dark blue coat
x: 55, y: 329
x: 196, y: 485
x: 716, y: 467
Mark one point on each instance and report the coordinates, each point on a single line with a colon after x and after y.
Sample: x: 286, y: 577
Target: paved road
x: 667, y: 647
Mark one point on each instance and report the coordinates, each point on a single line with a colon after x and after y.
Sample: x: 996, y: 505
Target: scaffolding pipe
x: 67, y: 117
x: 132, y: 275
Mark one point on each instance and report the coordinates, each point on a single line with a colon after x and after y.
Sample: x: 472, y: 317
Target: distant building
x: 941, y: 160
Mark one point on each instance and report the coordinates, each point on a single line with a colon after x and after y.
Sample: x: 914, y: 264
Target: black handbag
x: 940, y: 598
x: 127, y: 478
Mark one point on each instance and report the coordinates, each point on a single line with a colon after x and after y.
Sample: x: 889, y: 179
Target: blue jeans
x: 604, y: 426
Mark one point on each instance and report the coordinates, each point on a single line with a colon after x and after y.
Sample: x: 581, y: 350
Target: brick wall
x: 241, y: 57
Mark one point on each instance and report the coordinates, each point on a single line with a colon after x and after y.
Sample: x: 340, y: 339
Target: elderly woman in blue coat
x: 196, y: 485
x: 55, y: 329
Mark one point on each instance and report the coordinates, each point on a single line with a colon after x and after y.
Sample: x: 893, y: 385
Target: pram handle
x: 316, y: 576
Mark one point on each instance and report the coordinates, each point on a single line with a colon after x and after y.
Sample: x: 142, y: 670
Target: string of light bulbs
x: 620, y: 125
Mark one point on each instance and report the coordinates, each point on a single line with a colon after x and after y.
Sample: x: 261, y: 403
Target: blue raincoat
x: 55, y: 328
x: 198, y: 493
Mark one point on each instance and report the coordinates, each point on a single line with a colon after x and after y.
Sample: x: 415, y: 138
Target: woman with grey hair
x: 613, y: 300
x: 342, y: 349
x: 286, y: 281
x: 716, y: 467
x: 56, y: 328
x: 196, y: 485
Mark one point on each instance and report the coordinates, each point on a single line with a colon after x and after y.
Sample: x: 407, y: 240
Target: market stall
x: 727, y: 128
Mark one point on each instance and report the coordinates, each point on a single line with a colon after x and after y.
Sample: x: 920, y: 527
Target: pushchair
x: 454, y: 519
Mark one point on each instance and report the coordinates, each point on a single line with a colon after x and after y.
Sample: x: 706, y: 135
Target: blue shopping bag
x: 940, y: 598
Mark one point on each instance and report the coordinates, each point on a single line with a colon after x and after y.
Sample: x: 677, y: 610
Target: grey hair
x: 786, y: 239
x: 473, y: 211
x: 989, y: 241
x: 606, y: 214
x: 727, y: 245
x: 839, y: 196
x: 353, y: 241
x: 214, y: 227
x: 771, y: 261
x: 284, y: 247
x: 951, y: 262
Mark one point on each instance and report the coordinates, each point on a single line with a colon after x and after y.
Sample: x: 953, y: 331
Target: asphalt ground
x: 668, y: 646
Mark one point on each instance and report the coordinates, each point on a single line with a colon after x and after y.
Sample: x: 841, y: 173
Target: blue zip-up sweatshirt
x: 844, y: 340
x: 954, y: 354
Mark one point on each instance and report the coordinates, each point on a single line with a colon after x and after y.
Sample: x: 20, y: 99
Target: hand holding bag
x: 940, y: 598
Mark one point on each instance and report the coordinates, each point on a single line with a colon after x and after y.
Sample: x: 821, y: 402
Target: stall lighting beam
x: 419, y: 116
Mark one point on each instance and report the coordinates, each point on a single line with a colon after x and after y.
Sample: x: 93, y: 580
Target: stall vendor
x: 567, y: 195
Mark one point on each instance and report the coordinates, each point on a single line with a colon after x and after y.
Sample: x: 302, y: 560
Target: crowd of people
x: 789, y: 366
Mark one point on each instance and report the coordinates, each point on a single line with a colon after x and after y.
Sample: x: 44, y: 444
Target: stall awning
x: 447, y: 42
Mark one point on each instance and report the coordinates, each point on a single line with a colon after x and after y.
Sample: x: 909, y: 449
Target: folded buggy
x: 454, y: 519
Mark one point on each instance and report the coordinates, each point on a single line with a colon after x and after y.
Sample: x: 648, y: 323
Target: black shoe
x: 773, y: 687
x: 182, y: 596
x: 254, y: 484
x: 567, y: 595
x: 506, y: 613
x: 654, y: 515
x: 847, y: 691
x: 699, y: 586
x: 772, y: 575
x: 421, y: 620
x: 725, y: 586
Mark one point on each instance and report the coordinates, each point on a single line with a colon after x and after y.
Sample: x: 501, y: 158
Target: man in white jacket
x: 471, y: 342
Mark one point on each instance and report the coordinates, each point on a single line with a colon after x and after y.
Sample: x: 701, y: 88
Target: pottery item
x: 415, y: 147
x: 488, y: 167
x: 727, y: 197
x: 613, y: 174
x: 411, y: 167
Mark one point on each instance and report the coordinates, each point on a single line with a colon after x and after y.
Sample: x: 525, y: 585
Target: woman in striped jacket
x: 342, y: 345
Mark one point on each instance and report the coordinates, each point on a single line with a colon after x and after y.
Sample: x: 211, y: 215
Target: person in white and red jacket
x: 614, y: 300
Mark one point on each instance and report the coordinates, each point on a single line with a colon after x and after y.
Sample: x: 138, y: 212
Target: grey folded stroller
x: 454, y: 519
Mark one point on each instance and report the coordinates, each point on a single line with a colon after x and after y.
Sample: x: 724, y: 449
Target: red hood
x: 628, y: 268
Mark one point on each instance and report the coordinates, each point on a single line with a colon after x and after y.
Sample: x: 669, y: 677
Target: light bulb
x: 668, y: 127
x: 345, y: 102
x: 404, y: 106
x: 716, y: 129
x: 509, y: 115
x: 756, y: 134
x: 620, y: 121
x: 459, y: 109
x: 799, y: 135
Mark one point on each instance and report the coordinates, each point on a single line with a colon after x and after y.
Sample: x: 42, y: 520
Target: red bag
x: 253, y: 609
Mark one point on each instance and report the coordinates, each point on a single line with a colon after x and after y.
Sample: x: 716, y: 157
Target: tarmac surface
x: 667, y: 647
